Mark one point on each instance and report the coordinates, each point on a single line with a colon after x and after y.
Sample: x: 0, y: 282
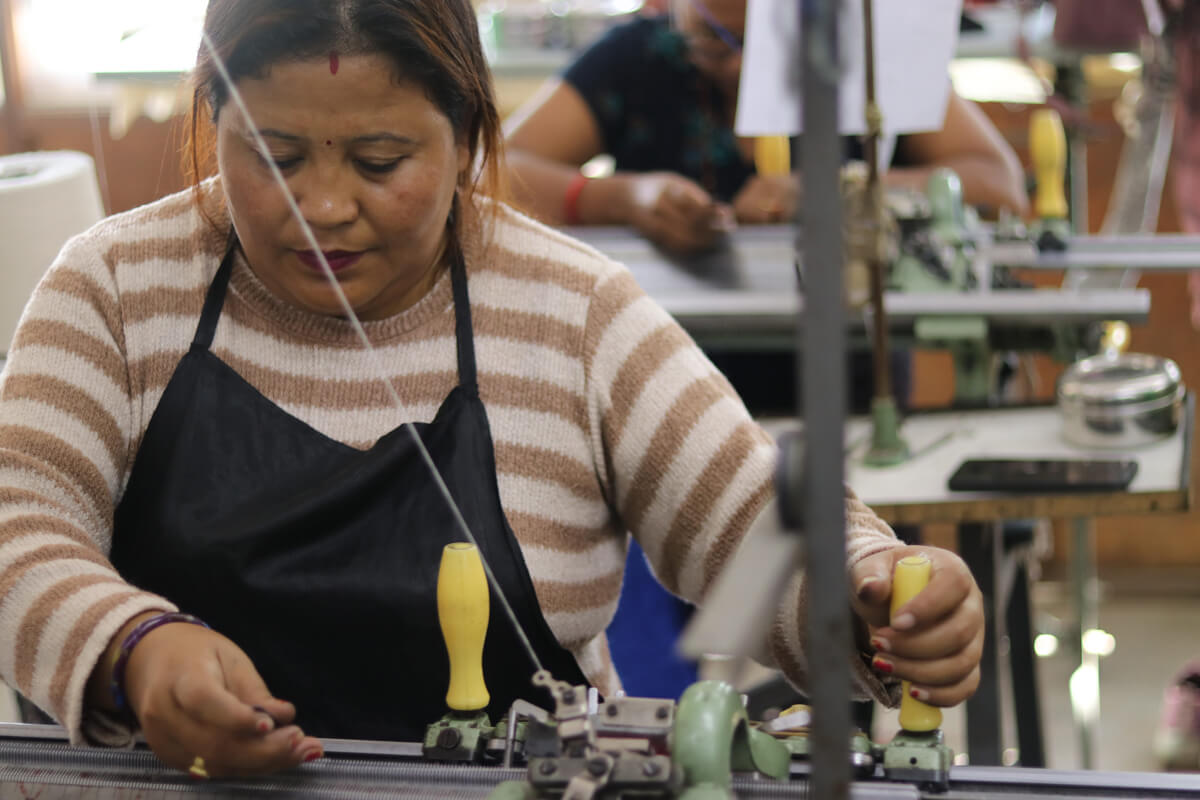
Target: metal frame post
x: 823, y: 402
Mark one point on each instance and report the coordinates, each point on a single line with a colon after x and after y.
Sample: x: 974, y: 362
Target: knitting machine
x: 703, y: 746
x: 37, y: 762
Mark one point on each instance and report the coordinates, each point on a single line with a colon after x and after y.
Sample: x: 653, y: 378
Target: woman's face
x: 373, y: 165
x: 713, y: 30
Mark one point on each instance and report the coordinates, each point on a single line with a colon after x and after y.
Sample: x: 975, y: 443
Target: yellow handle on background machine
x: 772, y: 155
x: 1048, y: 149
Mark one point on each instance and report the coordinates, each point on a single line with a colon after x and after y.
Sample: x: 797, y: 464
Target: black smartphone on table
x: 1042, y: 475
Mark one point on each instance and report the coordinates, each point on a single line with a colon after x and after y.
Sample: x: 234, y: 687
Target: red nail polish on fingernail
x: 313, y: 756
x: 881, y: 665
x: 917, y: 694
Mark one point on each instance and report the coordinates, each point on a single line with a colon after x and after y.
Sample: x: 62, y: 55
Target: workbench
x: 744, y: 292
x: 916, y: 492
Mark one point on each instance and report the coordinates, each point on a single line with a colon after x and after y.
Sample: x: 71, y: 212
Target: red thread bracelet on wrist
x: 571, y: 199
x: 116, y: 686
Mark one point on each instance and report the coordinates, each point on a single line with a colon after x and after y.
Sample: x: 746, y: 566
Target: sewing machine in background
x: 953, y: 283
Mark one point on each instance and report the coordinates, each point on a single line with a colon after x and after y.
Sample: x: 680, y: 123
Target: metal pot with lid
x: 1120, y: 400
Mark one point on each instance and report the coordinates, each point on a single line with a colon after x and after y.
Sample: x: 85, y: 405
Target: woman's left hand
x: 936, y: 639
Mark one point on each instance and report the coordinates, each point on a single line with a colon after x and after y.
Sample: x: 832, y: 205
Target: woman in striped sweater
x: 190, y: 423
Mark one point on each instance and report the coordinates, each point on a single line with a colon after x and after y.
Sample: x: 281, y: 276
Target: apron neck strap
x: 464, y: 332
x: 214, y: 300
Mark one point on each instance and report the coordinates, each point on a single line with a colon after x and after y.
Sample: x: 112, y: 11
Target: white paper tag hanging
x: 914, y: 42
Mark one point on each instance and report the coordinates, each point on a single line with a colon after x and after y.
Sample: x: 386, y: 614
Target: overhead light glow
x: 1045, y: 645
x: 1125, y: 62
x: 1084, y: 689
x: 1098, y: 642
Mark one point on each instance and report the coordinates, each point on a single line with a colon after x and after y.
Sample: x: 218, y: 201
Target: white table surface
x: 746, y: 288
x: 916, y: 491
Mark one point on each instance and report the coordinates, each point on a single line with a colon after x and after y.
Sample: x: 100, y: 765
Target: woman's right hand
x: 675, y: 212
x: 196, y: 694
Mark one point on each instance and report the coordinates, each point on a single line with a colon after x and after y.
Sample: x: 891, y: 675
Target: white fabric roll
x: 45, y: 199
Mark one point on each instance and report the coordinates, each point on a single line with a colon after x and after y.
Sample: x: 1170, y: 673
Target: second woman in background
x: 659, y: 95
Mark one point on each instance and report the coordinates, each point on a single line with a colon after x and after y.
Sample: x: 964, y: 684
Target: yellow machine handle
x: 463, y: 606
x: 772, y: 155
x: 1048, y: 149
x: 910, y: 577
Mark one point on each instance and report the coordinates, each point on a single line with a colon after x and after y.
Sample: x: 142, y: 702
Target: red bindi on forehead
x: 334, y: 63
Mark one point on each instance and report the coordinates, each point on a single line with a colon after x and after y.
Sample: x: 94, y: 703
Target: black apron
x: 320, y: 560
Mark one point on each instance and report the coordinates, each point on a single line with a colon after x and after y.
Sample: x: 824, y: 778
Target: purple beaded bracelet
x: 117, y: 685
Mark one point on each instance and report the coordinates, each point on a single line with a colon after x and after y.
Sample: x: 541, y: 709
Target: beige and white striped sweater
x: 606, y: 419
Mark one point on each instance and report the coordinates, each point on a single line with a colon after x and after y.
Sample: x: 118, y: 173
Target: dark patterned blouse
x: 656, y: 111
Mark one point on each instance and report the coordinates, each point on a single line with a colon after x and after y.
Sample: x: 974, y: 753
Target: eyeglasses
x: 718, y: 45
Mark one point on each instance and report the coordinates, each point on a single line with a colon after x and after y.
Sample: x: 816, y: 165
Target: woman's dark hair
x: 433, y: 43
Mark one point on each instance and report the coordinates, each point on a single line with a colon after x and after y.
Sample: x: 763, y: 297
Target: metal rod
x: 823, y: 394
x: 1084, y: 684
x: 980, y: 546
x: 1077, y: 168
x: 871, y: 140
x: 879, y: 331
x: 1089, y: 259
x: 1135, y: 243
